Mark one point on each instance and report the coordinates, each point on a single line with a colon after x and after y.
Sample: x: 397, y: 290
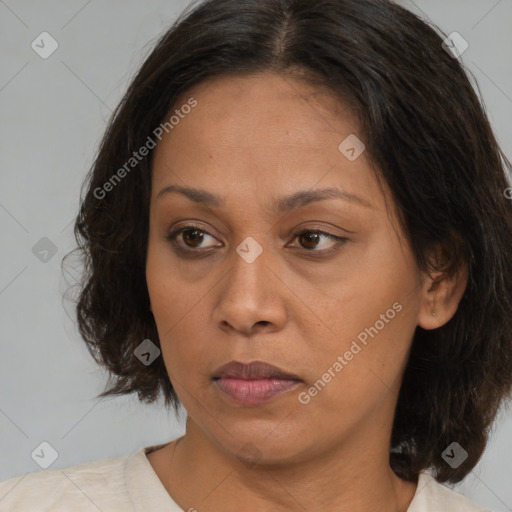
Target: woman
x: 296, y: 226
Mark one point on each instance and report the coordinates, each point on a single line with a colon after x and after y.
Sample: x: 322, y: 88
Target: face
x: 323, y: 286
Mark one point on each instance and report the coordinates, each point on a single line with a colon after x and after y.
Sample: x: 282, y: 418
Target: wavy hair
x: 429, y: 138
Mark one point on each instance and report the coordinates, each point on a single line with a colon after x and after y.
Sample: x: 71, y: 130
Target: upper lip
x: 254, y: 370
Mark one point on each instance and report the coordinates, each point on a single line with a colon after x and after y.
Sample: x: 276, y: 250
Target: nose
x: 251, y: 297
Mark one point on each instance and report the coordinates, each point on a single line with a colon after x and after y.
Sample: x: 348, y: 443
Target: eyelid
x: 337, y: 240
x: 176, y: 231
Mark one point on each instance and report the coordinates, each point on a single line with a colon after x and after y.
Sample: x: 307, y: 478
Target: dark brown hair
x: 430, y: 140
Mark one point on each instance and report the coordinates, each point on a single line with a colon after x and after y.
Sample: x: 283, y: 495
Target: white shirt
x: 130, y: 484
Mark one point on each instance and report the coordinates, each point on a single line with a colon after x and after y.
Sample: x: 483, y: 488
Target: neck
x: 354, y: 476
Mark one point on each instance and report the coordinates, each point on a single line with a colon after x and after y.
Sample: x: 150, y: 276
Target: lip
x: 252, y: 371
x: 254, y: 383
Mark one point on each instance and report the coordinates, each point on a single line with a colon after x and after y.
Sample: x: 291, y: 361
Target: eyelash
x: 197, y: 252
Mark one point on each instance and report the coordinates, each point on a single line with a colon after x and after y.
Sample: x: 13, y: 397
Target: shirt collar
x: 145, y: 489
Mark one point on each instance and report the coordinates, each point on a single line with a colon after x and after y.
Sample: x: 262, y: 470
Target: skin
x: 252, y: 140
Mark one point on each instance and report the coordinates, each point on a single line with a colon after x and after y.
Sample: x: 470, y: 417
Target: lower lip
x: 254, y: 392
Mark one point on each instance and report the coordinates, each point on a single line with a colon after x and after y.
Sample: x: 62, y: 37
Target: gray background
x: 54, y: 112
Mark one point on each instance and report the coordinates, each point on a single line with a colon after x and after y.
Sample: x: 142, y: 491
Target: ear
x: 441, y: 295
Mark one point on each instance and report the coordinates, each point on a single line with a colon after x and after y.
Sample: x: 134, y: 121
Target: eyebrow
x: 281, y: 206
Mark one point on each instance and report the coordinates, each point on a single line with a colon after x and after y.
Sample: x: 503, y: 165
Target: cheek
x: 374, y: 276
x: 358, y: 375
x: 166, y: 305
x: 167, y: 288
x: 176, y: 307
x: 373, y: 312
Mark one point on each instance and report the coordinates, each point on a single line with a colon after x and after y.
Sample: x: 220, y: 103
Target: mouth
x: 254, y: 383
x: 252, y: 371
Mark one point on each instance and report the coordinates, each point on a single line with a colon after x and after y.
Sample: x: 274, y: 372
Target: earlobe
x: 441, y: 297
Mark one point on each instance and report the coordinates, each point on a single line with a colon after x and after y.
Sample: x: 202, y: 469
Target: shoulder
x: 88, y: 486
x: 432, y: 496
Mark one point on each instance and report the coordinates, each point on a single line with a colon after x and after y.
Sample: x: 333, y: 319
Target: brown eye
x: 311, y: 240
x: 192, y: 240
x: 192, y: 237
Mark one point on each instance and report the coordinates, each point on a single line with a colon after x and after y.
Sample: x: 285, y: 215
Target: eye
x: 311, y: 240
x: 192, y: 236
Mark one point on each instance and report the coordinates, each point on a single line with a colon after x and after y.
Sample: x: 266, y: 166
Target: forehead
x: 271, y: 107
x: 260, y: 133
